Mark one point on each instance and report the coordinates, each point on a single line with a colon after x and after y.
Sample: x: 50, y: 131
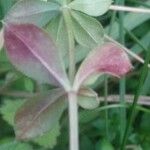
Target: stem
x: 1, y: 38
x: 72, y: 97
x: 129, y: 9
x: 73, y: 121
x: 122, y: 87
x: 106, y: 103
x: 143, y: 100
x: 122, y: 110
x: 68, y: 22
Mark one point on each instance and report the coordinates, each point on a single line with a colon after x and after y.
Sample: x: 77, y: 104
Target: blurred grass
x: 142, y: 79
x: 122, y: 89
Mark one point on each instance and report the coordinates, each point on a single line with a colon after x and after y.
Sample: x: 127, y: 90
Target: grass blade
x: 143, y: 76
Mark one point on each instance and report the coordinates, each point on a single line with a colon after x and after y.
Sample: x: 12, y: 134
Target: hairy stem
x: 73, y: 121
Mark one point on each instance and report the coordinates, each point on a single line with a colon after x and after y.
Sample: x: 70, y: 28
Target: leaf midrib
x: 61, y: 93
x: 43, y: 62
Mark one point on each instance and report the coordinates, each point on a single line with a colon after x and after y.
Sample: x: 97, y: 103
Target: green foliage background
x: 93, y: 134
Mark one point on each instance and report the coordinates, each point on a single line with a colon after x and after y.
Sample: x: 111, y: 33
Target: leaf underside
x: 108, y: 58
x: 91, y: 7
x: 88, y: 99
x: 33, y: 53
x: 39, y: 114
x: 58, y: 31
x: 34, y: 11
x: 87, y: 30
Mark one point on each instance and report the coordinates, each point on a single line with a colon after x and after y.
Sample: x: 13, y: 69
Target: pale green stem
x: 73, y: 121
x: 71, y: 44
x: 72, y: 96
x: 1, y: 39
x: 129, y: 9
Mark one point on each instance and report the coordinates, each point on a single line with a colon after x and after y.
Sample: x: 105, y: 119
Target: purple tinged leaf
x: 39, y: 114
x: 108, y: 58
x: 33, y: 53
x: 32, y: 11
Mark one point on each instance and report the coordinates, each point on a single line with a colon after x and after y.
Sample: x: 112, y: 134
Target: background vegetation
x: 103, y: 127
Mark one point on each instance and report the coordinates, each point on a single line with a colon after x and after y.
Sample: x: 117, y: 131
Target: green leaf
x: 146, y: 145
x: 15, y: 146
x: 131, y: 21
x: 29, y: 85
x: 88, y: 99
x: 1, y: 39
x: 144, y: 125
x: 104, y: 145
x: 91, y: 7
x: 9, y: 109
x: 49, y: 139
x: 39, y: 114
x: 86, y: 143
x: 34, y: 11
x: 87, y: 30
x: 5, y: 5
x: 58, y: 31
x: 81, y: 52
